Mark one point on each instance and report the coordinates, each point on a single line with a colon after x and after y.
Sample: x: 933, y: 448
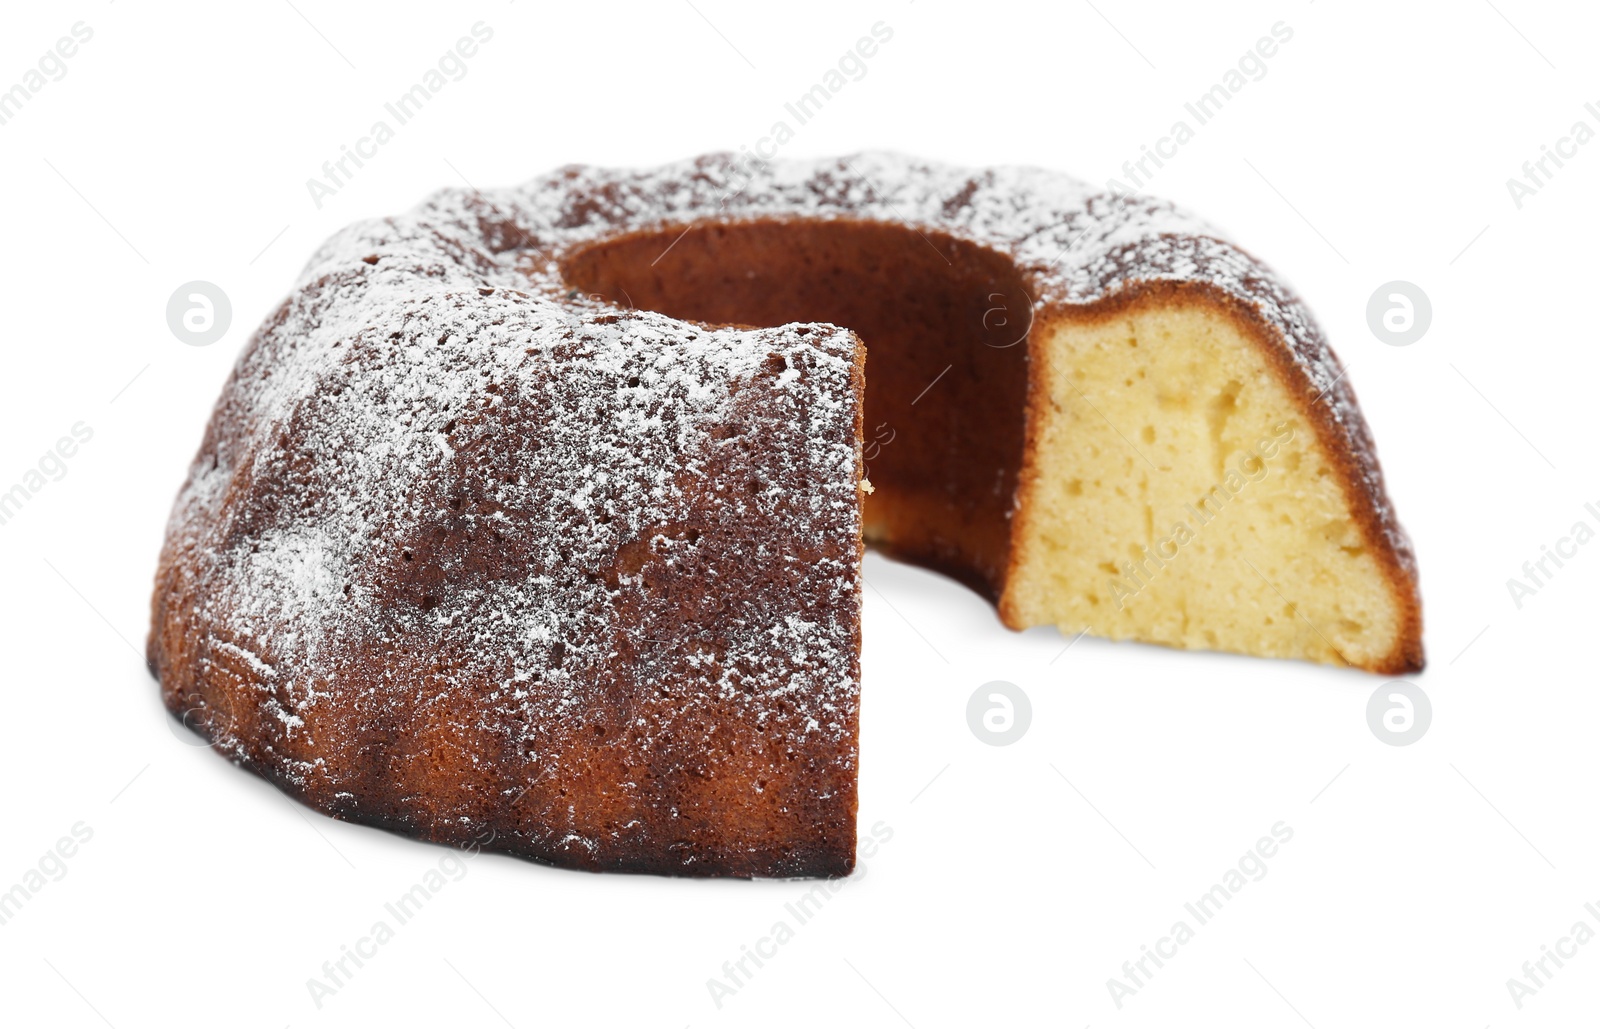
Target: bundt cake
x: 534, y: 518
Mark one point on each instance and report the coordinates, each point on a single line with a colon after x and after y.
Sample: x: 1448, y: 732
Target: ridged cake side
x: 455, y: 562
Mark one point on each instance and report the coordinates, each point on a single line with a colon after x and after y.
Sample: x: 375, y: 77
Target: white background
x: 1018, y: 879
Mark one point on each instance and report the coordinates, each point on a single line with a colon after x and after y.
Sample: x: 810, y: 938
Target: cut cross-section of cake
x: 1190, y: 485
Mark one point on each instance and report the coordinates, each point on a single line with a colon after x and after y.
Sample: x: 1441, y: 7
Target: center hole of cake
x: 945, y: 324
